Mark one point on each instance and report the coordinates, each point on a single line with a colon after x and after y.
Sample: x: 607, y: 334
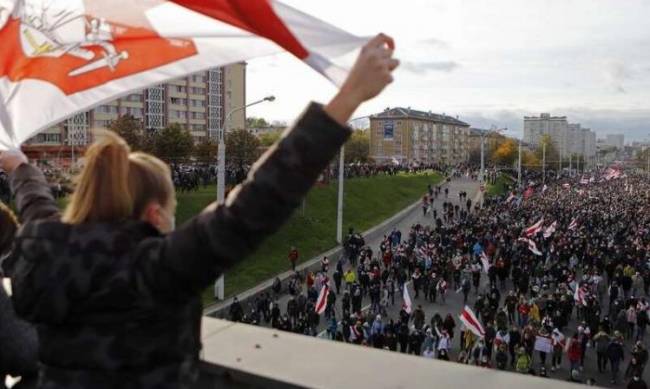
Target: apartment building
x: 407, y: 135
x: 198, y: 102
x: 567, y: 138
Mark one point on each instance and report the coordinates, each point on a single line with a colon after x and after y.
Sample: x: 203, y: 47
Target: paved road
x: 455, y: 186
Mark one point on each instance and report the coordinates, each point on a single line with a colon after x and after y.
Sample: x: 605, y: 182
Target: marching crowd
x: 552, y: 275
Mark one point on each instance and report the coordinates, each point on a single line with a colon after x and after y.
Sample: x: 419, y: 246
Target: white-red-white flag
x: 574, y: 224
x: 321, y: 303
x: 485, y: 261
x: 532, y: 246
x: 580, y: 295
x: 550, y: 230
x: 468, y: 318
x: 62, y: 57
x: 534, y: 229
x: 407, y: 304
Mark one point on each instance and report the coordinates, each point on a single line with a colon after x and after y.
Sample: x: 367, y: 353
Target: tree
x: 530, y: 161
x: 268, y: 139
x: 130, y: 129
x: 506, y: 152
x: 242, y: 148
x: 358, y: 148
x: 552, y: 155
x: 174, y: 143
x: 253, y: 122
x: 206, y: 151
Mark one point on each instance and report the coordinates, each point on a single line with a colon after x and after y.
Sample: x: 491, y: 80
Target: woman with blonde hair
x: 113, y: 288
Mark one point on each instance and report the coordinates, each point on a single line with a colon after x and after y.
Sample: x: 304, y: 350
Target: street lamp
x: 339, y: 204
x: 221, y: 151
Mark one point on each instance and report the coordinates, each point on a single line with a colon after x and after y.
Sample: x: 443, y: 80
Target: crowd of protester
x: 583, y: 295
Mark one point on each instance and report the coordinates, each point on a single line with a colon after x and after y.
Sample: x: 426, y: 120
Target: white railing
x: 243, y: 356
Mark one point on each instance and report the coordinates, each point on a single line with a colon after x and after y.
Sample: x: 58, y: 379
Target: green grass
x: 368, y: 202
x: 500, y: 185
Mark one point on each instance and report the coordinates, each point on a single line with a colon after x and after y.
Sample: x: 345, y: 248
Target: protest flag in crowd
x: 534, y: 229
x: 468, y: 318
x: 532, y: 246
x: 550, y: 230
x: 574, y: 224
x: 580, y: 295
x: 529, y: 192
x: 511, y: 197
x: 59, y: 58
x: 407, y: 305
x: 321, y: 303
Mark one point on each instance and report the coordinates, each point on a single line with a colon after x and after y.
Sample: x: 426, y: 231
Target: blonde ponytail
x: 102, y: 189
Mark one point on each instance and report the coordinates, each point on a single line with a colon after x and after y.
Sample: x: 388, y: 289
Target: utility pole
x: 339, y: 207
x: 570, y: 165
x: 221, y: 151
x: 544, y: 162
x: 559, y: 169
x: 519, y: 167
x: 483, y: 158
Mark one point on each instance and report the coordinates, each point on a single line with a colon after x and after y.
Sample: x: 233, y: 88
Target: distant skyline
x: 488, y: 62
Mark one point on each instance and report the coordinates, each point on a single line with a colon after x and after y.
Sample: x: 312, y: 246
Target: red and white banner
x: 574, y: 224
x: 62, y: 57
x: 321, y: 303
x: 468, y: 318
x: 407, y: 305
x: 532, y: 246
x: 579, y: 295
x: 550, y: 230
x: 534, y: 229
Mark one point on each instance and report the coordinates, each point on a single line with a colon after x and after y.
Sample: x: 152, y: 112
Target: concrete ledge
x: 243, y: 356
x: 219, y: 309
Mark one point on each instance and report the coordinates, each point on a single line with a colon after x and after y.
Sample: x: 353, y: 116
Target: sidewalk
x: 402, y: 221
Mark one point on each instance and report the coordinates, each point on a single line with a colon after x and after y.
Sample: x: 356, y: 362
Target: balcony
x: 242, y: 356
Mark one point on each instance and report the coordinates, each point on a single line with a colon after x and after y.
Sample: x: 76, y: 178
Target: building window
x: 197, y: 103
x: 178, y: 101
x: 197, y: 91
x: 180, y: 89
x: 389, y: 130
x: 178, y: 114
x: 198, y: 115
x: 198, y: 78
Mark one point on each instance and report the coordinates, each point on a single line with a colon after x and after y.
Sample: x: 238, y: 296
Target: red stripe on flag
x: 471, y: 321
x: 256, y: 16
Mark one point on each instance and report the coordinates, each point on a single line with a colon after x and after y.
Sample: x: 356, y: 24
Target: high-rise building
x: 406, y: 135
x: 615, y: 140
x: 197, y: 102
x: 536, y: 127
x: 567, y: 138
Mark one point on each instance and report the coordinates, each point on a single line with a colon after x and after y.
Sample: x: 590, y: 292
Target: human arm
x: 34, y: 198
x: 224, y: 234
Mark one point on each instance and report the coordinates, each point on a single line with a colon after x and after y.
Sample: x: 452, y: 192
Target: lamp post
x: 221, y: 151
x: 544, y: 162
x: 339, y: 203
x: 519, y: 167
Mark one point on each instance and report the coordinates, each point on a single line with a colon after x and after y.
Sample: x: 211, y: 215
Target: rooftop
x: 399, y: 112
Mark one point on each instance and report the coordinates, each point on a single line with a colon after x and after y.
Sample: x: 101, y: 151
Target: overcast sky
x: 490, y: 62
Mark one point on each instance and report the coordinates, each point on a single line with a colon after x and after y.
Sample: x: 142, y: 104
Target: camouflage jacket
x: 118, y: 305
